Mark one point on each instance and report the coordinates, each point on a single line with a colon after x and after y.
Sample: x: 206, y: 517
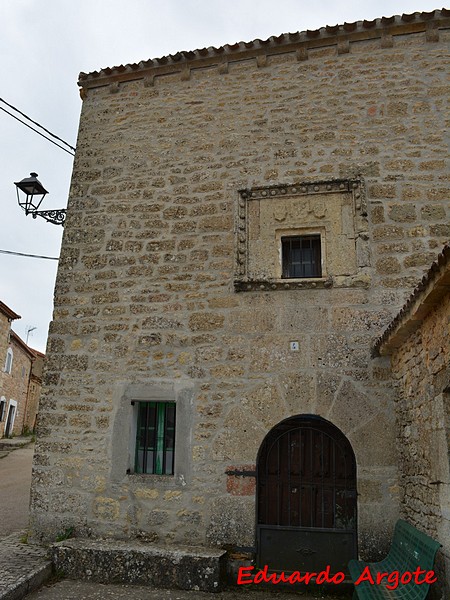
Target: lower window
x: 2, y: 409
x: 155, y: 438
x: 301, y: 256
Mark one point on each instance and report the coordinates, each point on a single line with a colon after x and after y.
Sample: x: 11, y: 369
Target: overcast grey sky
x: 44, y: 44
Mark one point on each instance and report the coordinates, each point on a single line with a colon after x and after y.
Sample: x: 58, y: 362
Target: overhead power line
x: 28, y: 255
x: 38, y: 125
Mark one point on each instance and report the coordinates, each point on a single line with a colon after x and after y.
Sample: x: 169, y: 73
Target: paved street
x: 15, y: 481
x: 82, y: 590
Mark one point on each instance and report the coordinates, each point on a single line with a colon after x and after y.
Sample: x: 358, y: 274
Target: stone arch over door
x: 306, y: 505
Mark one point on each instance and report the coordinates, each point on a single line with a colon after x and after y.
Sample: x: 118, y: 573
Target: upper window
x: 299, y: 236
x: 155, y: 438
x: 9, y: 360
x: 301, y: 256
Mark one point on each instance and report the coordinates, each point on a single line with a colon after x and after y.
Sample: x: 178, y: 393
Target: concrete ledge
x: 114, y: 561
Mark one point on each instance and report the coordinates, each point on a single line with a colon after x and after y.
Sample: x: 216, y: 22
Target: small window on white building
x: 9, y: 361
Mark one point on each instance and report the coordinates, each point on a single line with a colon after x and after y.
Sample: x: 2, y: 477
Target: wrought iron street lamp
x: 34, y: 193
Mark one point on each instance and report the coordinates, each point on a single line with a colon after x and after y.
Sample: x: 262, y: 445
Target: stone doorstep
x: 115, y: 561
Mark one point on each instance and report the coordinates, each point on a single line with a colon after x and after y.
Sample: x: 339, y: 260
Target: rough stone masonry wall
x: 422, y: 367
x: 144, y: 296
x: 34, y: 390
x: 5, y: 327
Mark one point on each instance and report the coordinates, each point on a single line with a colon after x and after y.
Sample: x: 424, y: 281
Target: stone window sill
x: 161, y: 481
x: 283, y: 284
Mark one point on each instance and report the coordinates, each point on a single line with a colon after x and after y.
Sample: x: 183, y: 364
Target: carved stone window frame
x: 243, y: 281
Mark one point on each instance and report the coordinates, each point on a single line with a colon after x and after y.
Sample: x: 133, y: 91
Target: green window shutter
x: 155, y: 438
x: 160, y: 420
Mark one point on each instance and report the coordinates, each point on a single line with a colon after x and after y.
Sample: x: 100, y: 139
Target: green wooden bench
x: 411, y: 549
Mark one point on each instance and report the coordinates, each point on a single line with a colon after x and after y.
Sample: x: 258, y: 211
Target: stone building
x: 243, y: 223
x: 20, y: 379
x: 418, y: 341
x: 34, y: 391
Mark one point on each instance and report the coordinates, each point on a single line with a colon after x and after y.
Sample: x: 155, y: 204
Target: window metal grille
x: 155, y: 438
x: 301, y: 256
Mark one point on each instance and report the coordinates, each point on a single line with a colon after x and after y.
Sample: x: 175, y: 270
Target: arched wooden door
x: 306, y: 497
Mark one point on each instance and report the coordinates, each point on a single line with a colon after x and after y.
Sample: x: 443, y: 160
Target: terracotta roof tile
x: 406, y: 22
x: 9, y: 312
x: 442, y: 261
x: 350, y: 26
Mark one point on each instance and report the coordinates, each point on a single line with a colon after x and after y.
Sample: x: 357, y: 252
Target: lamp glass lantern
x: 34, y: 193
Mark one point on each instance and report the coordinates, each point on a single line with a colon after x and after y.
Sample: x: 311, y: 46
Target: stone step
x: 8, y: 444
x: 24, y: 567
x: 115, y: 561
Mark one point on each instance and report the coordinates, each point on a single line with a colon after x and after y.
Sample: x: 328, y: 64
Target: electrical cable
x: 36, y: 131
x: 28, y: 255
x: 36, y: 123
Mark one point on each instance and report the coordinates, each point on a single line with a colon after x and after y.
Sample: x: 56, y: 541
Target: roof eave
x: 12, y: 316
x: 426, y: 296
x: 19, y: 341
x: 284, y: 43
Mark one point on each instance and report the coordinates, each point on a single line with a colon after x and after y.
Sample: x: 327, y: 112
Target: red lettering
x: 241, y: 574
x: 324, y: 576
x: 393, y: 579
x: 380, y: 577
x: 366, y: 575
x: 295, y: 577
x: 430, y: 577
x: 416, y: 574
x: 273, y: 578
x: 258, y: 578
x: 282, y: 578
x: 338, y: 578
x: 261, y: 576
x: 406, y: 578
x: 308, y: 576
